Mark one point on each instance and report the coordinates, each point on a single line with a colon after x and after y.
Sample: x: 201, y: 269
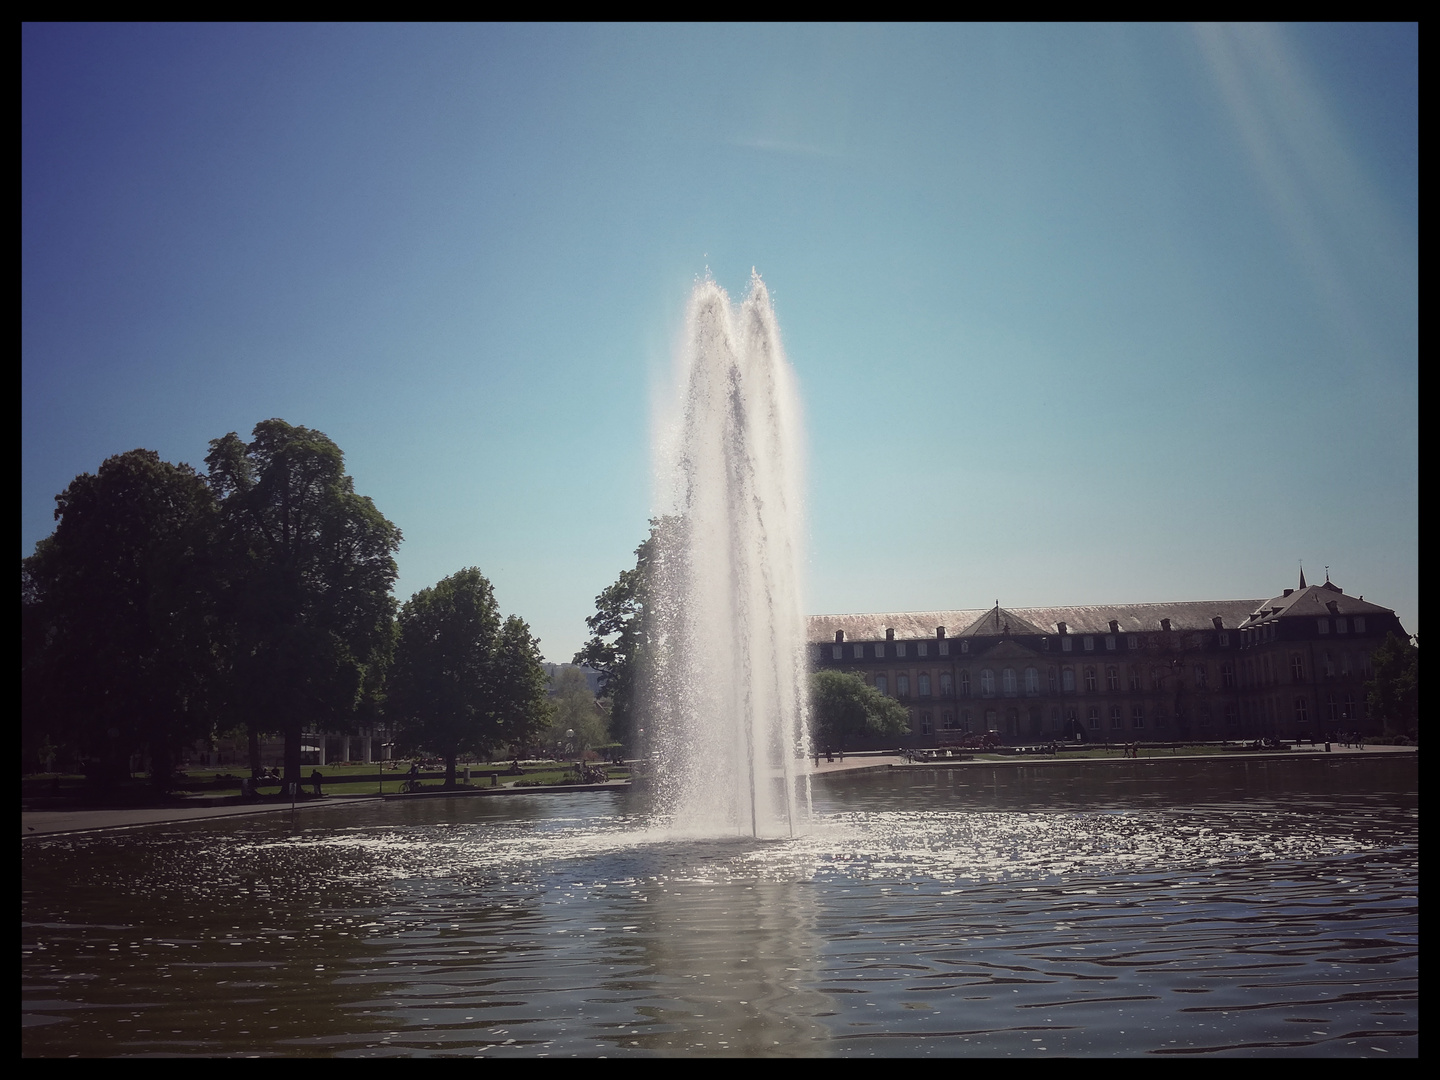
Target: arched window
x: 1032, y: 682
x: 1007, y: 678
x: 1067, y: 680
x: 902, y: 686
x: 1112, y: 677
x: 964, y: 684
x: 1090, y: 681
x: 987, y: 683
x: 923, y: 685
x: 947, y: 688
x: 882, y: 685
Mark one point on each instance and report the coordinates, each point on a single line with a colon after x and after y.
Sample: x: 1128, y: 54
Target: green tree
x: 843, y: 707
x: 308, y: 569
x: 622, y: 629
x: 120, y: 644
x: 522, y: 707
x: 462, y: 682
x: 575, y: 709
x: 1393, y: 693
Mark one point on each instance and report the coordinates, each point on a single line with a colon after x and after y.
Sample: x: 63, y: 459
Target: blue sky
x: 1079, y: 313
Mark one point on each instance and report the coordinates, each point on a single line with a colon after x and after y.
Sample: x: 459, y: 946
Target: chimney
x: 1289, y: 591
x: 1061, y: 627
x: 940, y: 632
x: 1333, y: 607
x: 889, y: 633
x: 1219, y: 622
x: 1165, y: 625
x: 1114, y: 626
x: 839, y: 636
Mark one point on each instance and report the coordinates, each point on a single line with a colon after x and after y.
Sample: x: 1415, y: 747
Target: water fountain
x: 726, y: 686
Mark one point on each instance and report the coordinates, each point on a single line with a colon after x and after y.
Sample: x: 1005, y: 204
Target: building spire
x: 1302, y: 574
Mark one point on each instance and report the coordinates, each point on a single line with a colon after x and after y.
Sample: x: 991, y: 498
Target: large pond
x: 1260, y: 907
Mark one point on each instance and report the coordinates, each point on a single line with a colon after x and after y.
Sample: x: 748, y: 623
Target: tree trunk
x: 450, y: 757
x: 161, y: 766
x: 292, y: 752
x: 254, y: 750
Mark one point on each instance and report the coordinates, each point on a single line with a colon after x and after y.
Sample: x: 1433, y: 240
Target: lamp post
x: 570, y: 740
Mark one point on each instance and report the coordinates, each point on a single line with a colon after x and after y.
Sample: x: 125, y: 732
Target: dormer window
x: 1322, y: 626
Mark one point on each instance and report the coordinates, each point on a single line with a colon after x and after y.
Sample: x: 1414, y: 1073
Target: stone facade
x: 1290, y: 667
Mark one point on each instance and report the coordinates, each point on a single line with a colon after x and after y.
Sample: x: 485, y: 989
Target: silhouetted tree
x: 120, y: 641
x: 308, y: 569
x: 1393, y: 692
x: 622, y: 630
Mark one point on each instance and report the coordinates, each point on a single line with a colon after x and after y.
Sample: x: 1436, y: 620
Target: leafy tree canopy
x: 1393, y: 693
x: 622, y: 629
x: 309, y: 568
x: 120, y: 643
x: 843, y: 707
x: 462, y: 681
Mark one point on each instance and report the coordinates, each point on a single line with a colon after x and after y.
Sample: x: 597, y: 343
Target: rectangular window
x: 859, y: 652
x: 1359, y: 624
x: 1065, y: 644
x: 1297, y: 668
x: 1094, y: 718
x: 1134, y: 641
x: 1300, y: 714
x: 902, y: 686
x: 948, y: 721
x: 923, y: 685
x: 1137, y: 716
x: 947, y: 688
x: 1089, y: 643
x: 1342, y: 626
x: 1322, y: 625
x: 923, y: 648
x: 1134, y: 678
x: 882, y: 686
x: 924, y: 723
x: 1224, y: 640
x: 899, y: 648
x: 944, y: 648
x: 837, y: 651
x: 1115, y: 721
x: 1110, y: 642
x: 964, y: 646
x: 879, y: 650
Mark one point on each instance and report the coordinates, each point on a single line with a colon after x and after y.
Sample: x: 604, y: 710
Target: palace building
x: 1293, y: 666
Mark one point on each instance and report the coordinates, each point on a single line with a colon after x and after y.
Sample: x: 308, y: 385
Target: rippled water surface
x: 1247, y: 907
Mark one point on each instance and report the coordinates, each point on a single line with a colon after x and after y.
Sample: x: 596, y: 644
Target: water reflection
x: 935, y: 911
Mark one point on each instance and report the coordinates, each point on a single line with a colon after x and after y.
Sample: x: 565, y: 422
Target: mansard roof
x: 1082, y: 619
x: 1312, y: 602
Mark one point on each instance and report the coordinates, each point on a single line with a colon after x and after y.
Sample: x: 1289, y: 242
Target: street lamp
x: 570, y: 741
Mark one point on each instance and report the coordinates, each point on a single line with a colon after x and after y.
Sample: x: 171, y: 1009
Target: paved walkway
x: 49, y: 822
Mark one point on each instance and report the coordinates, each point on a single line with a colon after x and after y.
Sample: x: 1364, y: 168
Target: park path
x: 49, y: 822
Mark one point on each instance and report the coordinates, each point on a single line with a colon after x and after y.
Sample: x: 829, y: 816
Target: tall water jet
x: 727, y: 694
